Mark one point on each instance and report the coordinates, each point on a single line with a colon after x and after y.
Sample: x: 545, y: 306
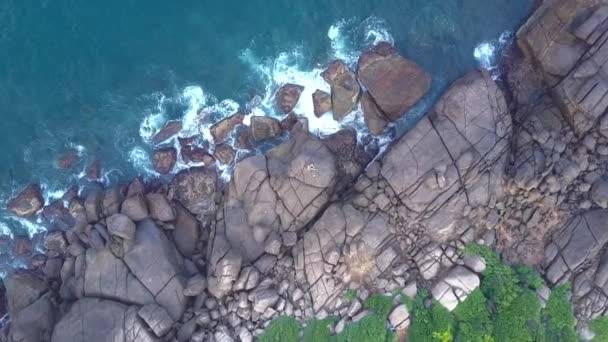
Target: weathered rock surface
x: 394, y: 82
x: 195, y: 188
x: 164, y: 160
x: 223, y: 128
x: 27, y: 202
x: 288, y: 96
x: 345, y: 88
x: 321, y: 102
x: 264, y: 127
x: 372, y: 114
x: 169, y: 130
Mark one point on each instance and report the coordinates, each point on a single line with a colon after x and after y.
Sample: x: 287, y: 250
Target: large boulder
x: 195, y: 188
x: 198, y: 155
x: 27, y: 202
x: 345, y: 88
x: 35, y: 322
x: 22, y: 289
x: 288, y: 96
x: 372, y: 114
x: 395, y: 83
x: 164, y: 160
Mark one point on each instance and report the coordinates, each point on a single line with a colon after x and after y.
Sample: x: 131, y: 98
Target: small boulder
x: 164, y: 160
x: 22, y: 245
x: 160, y: 208
x: 195, y: 154
x: 170, y: 129
x: 92, y: 206
x: 399, y: 317
x: 121, y: 225
x: 222, y: 129
x: 157, y: 318
x: 225, y: 154
x: 287, y: 97
x: 135, y: 208
x: 395, y: 83
x: 288, y: 122
x: 322, y: 102
x: 185, y: 141
x: 243, y: 138
x: 264, y: 127
x: 27, y: 202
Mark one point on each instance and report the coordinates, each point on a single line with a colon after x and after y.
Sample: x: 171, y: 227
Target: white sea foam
x: 154, y: 120
x: 139, y: 158
x: 30, y: 226
x: 487, y: 53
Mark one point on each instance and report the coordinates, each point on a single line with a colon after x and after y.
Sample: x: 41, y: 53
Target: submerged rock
x: 27, y: 202
x: 94, y: 170
x: 395, y: 83
x: 164, y: 160
x: 288, y: 96
x: 68, y: 160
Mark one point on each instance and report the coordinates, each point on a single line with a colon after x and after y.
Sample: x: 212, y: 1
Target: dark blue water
x: 86, y: 74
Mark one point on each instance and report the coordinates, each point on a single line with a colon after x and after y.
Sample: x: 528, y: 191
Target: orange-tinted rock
x: 288, y: 96
x: 164, y: 160
x: 372, y: 114
x: 27, y: 202
x: 265, y: 127
x: 195, y: 154
x: 68, y: 160
x: 170, y: 129
x: 322, y: 102
x: 345, y: 88
x: 94, y: 170
x: 225, y: 154
x: 222, y: 129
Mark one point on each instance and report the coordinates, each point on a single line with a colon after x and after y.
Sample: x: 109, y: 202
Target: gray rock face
x: 157, y: 264
x: 97, y: 320
x: 22, y: 289
x: 160, y: 208
x: 186, y: 232
x: 135, y: 208
x: 578, y: 242
x: 599, y: 193
x: 34, y: 323
x: 156, y: 318
x: 454, y: 157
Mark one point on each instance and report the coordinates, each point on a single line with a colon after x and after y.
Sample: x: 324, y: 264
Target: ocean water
x: 101, y: 77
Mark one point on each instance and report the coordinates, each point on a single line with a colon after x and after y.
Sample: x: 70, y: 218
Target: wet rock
x: 164, y: 160
x: 170, y: 129
x: 135, y: 208
x: 395, y: 83
x: 223, y: 128
x: 288, y: 122
x: 195, y: 154
x: 322, y: 102
x: 243, y: 139
x: 58, y: 216
x: 27, y: 202
x: 160, y: 208
x: 225, y: 154
x: 187, y: 141
x: 345, y: 88
x: 287, y: 97
x: 195, y: 189
x: 372, y: 114
x: 22, y: 246
x: 263, y: 128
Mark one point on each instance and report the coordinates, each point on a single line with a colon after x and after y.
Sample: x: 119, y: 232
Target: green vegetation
x: 318, y: 330
x: 600, y: 328
x: 282, y: 329
x: 504, y: 309
x: 350, y: 295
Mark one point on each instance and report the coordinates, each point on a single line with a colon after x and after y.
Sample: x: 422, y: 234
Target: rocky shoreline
x: 294, y: 230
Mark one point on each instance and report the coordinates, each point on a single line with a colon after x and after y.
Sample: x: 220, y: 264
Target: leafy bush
x: 600, y: 328
x: 520, y: 321
x: 318, y: 330
x: 558, y: 317
x: 434, y: 324
x: 473, y: 318
x: 379, y: 303
x: 282, y: 329
x: 372, y: 328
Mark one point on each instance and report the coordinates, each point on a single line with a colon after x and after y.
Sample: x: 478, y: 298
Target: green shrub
x: 558, y: 317
x: 474, y: 323
x: 520, y: 321
x: 350, y: 295
x: 600, y: 327
x: 434, y: 324
x: 379, y: 303
x: 372, y: 328
x: 282, y: 329
x: 318, y: 330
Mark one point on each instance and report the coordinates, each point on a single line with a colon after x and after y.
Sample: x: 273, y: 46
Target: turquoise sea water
x: 102, y: 76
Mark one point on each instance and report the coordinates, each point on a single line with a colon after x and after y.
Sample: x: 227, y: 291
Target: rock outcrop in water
x: 294, y: 228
